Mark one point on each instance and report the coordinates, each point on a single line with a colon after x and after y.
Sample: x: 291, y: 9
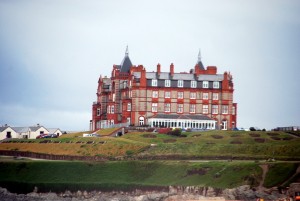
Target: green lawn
x: 58, y: 176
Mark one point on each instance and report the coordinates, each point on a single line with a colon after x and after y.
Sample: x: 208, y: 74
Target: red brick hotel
x: 199, y: 99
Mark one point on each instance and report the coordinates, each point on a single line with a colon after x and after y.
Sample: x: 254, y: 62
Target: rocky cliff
x: 174, y: 193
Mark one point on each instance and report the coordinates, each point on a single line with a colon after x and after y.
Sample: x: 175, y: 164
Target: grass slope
x: 126, y: 175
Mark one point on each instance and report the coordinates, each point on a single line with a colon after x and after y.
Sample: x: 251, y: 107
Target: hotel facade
x: 198, y: 99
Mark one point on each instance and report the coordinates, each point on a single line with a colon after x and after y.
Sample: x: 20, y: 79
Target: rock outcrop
x: 175, y: 193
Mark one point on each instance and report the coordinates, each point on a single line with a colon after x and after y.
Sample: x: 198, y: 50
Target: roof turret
x: 126, y: 63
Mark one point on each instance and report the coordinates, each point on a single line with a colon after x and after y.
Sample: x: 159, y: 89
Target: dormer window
x: 216, y: 85
x: 205, y: 84
x: 154, y: 83
x: 193, y: 84
x: 167, y: 83
x: 180, y: 83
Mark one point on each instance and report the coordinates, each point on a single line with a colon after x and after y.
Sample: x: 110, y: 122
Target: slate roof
x: 20, y: 129
x: 126, y: 64
x: 3, y: 128
x: 178, y: 116
x: 180, y: 76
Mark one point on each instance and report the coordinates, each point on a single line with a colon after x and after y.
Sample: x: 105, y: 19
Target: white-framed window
x: 215, y: 96
x: 112, y: 109
x: 167, y: 83
x: 114, y: 97
x: 193, y: 84
x: 233, y: 110
x: 205, y: 96
x: 154, y: 83
x: 167, y: 94
x: 179, y: 108
x: 128, y: 106
x: 180, y: 95
x: 180, y: 83
x: 167, y: 107
x: 193, y: 95
x: 205, y: 109
x: 108, y: 109
x: 192, y: 108
x: 215, y: 109
x: 142, y: 121
x: 154, y: 107
x: 224, y: 109
x: 98, y: 111
x: 154, y: 94
x: 216, y: 85
x: 130, y: 94
x: 205, y: 84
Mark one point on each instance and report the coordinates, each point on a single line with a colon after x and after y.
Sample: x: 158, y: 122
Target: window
x: 112, y: 109
x: 215, y: 109
x: 168, y: 107
x: 128, y: 106
x: 193, y: 84
x: 192, y: 108
x: 180, y: 83
x: 233, y: 110
x: 205, y: 109
x: 180, y: 108
x: 224, y: 109
x: 216, y: 85
x: 205, y: 96
x: 154, y: 107
x: 154, y: 83
x: 114, y: 97
x: 154, y: 94
x: 98, y: 111
x: 167, y: 83
x: 108, y: 109
x: 205, y: 84
x: 215, y: 96
x: 141, y: 121
x: 192, y: 95
x: 180, y: 95
x: 167, y: 94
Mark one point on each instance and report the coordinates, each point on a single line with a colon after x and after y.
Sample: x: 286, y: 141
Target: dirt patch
x: 236, y: 142
x: 260, y: 140
x: 254, y: 134
x: 217, y: 136
x: 272, y: 134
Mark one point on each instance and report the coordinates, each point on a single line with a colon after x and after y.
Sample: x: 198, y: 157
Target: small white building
x: 8, y: 132
x: 26, y: 132
x: 55, y: 131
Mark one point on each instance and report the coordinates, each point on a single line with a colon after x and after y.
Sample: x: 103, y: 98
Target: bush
x: 163, y: 130
x: 176, y: 132
x: 129, y: 152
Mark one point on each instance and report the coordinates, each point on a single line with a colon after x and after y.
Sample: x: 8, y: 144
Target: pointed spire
x: 199, y: 56
x: 126, y: 52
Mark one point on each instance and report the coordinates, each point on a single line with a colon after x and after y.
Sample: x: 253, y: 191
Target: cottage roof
x: 3, y: 128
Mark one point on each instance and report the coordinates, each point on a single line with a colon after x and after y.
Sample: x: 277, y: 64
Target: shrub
x: 163, y: 130
x: 129, y: 152
x: 176, y: 132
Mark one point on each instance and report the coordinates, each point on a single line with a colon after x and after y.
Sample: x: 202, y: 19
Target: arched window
x: 141, y: 121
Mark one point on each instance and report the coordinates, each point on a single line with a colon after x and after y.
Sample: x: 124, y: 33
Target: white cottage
x: 8, y: 132
x: 55, y: 131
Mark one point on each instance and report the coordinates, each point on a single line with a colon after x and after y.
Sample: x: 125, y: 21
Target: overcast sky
x: 52, y: 53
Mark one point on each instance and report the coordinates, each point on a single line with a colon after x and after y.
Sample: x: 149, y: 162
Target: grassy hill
x: 209, y: 144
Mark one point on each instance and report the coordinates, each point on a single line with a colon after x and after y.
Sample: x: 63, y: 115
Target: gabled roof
x: 178, y: 116
x: 3, y: 128
x: 52, y: 130
x: 20, y: 129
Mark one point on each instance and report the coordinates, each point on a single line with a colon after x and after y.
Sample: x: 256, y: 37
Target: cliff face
x: 175, y: 193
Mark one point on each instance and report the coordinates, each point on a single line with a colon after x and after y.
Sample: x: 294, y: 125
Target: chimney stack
x: 158, y: 69
x: 172, y: 69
